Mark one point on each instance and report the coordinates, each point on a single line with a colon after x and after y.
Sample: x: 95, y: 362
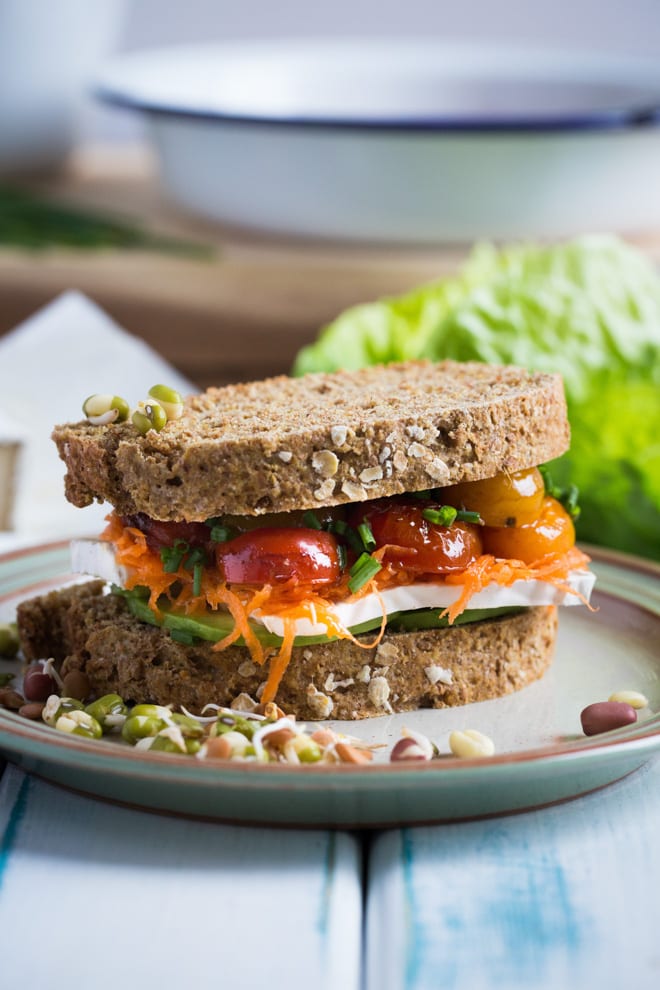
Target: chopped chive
x: 354, y: 540
x: 471, y: 517
x: 172, y: 556
x: 568, y: 497
x: 198, y: 570
x: 550, y: 487
x: 311, y: 520
x: 350, y: 535
x: 570, y: 501
x: 220, y: 533
x: 364, y: 568
x: 424, y: 496
x: 196, y: 556
x: 366, y: 535
x: 341, y: 555
x: 444, y: 516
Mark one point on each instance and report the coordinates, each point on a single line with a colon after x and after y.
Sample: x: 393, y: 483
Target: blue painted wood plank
x: 100, y: 891
x: 554, y: 899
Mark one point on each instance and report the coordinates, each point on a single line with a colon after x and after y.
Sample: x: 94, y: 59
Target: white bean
x: 470, y: 743
x: 633, y: 698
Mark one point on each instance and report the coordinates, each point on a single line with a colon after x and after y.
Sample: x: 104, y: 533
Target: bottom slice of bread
x: 86, y: 630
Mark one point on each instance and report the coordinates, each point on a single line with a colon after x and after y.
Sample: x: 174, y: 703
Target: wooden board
x: 243, y: 314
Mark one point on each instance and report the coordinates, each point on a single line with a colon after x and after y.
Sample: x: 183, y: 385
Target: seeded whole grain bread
x: 320, y: 440
x: 86, y: 630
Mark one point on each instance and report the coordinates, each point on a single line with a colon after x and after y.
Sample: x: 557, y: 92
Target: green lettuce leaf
x: 589, y: 309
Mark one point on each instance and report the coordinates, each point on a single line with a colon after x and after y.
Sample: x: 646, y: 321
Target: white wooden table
x: 559, y: 898
x: 553, y: 899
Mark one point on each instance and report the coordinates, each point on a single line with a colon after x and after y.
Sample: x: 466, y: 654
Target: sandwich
x: 344, y: 545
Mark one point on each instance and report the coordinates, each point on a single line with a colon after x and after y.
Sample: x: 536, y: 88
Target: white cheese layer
x: 407, y: 598
x: 96, y: 557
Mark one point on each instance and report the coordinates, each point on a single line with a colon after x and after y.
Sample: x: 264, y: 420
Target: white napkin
x: 49, y: 365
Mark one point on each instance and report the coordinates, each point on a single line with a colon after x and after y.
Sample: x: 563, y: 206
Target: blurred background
x: 119, y: 204
x: 591, y: 25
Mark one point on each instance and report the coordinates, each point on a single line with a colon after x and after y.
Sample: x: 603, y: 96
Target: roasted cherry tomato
x: 505, y: 500
x: 417, y: 544
x: 266, y: 556
x: 166, y: 534
x: 551, y: 532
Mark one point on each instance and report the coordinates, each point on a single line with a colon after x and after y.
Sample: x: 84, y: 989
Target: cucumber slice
x: 428, y: 618
x: 216, y: 625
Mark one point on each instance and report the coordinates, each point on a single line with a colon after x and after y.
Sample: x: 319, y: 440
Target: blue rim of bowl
x: 608, y: 119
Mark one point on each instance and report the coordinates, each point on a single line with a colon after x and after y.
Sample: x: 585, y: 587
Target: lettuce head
x: 589, y: 309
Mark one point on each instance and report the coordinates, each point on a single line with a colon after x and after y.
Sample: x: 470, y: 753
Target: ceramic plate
x: 405, y: 141
x: 542, y: 757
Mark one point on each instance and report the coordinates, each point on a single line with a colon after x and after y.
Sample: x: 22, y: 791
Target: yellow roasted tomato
x: 551, y: 532
x: 505, y: 500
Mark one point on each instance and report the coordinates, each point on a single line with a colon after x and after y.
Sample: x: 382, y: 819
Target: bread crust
x: 437, y: 668
x: 320, y: 440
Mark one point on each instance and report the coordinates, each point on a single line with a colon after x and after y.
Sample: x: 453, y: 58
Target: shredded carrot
x: 279, y: 663
x: 240, y: 615
x: 381, y: 631
x: 485, y: 570
x: 144, y: 566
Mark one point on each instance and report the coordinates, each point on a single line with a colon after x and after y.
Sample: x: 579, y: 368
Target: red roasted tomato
x: 417, y: 544
x: 265, y: 556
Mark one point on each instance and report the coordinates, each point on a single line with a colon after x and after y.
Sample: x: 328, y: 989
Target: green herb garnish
x: 447, y: 514
x: 172, y: 557
x: 444, y: 516
x: 366, y: 535
x: 194, y: 558
x: 221, y: 533
x: 341, y: 528
x: 464, y: 515
x: 364, y: 568
x: 311, y: 520
x: 568, y: 497
x: 29, y: 222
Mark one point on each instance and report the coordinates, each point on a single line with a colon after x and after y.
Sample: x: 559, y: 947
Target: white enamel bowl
x: 404, y: 142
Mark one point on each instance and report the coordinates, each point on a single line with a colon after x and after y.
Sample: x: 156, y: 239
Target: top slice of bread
x: 323, y: 439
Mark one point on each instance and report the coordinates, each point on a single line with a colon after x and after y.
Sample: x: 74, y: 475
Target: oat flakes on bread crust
x: 433, y: 668
x: 324, y: 439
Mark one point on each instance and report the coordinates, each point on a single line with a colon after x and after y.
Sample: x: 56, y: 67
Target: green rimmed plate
x: 541, y: 755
